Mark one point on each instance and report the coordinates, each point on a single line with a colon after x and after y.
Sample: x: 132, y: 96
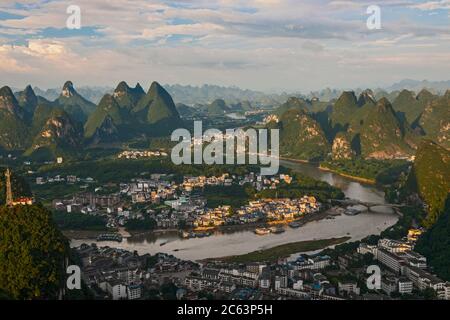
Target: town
x: 119, y: 274
x: 181, y: 205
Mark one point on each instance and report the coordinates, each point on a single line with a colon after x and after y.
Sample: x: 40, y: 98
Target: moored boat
x: 262, y: 231
x: 109, y: 237
x: 294, y: 225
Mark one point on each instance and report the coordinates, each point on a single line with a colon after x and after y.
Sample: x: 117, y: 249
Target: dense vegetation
x: 410, y: 216
x: 32, y: 253
x: 113, y: 170
x: 301, y: 137
x: 380, y: 171
x: 430, y: 178
x: 303, y: 185
x: 435, y: 244
x: 78, y: 221
x: 140, y: 225
x: 235, y: 195
x: 284, y: 250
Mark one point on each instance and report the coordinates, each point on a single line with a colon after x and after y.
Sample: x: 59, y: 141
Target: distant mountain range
x: 206, y: 94
x: 437, y: 87
x: 367, y: 124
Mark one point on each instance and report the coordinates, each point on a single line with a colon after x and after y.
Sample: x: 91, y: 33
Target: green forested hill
x: 343, y: 110
x: 435, y: 243
x: 430, y: 177
x: 301, y: 136
x: 293, y: 103
x: 74, y: 104
x: 435, y: 120
x: 59, y: 136
x: 108, y: 107
x: 384, y: 136
x: 32, y: 253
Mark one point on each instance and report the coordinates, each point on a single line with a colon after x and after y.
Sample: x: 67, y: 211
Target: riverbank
x: 86, y: 234
x: 348, y: 176
x: 326, y: 169
x: 82, y: 234
x: 282, y: 251
x: 295, y: 160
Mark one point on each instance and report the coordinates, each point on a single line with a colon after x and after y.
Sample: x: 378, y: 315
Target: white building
x: 348, y: 287
x: 389, y: 285
x: 389, y: 259
x: 116, y: 289
x: 405, y: 286
x: 134, y: 292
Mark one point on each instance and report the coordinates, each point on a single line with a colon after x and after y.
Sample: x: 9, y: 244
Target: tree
x: 32, y: 252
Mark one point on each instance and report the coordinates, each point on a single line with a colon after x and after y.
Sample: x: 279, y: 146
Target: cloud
x: 259, y: 44
x: 433, y: 5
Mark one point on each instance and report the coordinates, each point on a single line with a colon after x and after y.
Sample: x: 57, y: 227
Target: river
x: 240, y: 242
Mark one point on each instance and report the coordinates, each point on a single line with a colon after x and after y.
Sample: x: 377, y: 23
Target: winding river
x: 241, y: 242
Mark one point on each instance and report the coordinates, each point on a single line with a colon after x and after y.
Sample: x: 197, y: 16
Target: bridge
x: 368, y: 205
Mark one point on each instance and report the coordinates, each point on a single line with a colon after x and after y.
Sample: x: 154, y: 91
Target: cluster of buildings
x: 282, y: 209
x: 118, y: 274
x: 70, y: 179
x: 268, y: 210
x: 175, y: 202
x: 257, y: 181
x: 149, y: 190
x: 320, y: 277
x: 136, y: 154
x: 405, y: 269
x: 296, y: 279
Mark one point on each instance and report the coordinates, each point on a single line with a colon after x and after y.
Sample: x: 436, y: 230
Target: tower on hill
x: 9, y: 197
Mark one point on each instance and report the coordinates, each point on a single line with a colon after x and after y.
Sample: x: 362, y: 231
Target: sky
x: 266, y: 45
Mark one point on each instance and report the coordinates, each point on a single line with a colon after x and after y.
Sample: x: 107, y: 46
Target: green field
x: 284, y: 250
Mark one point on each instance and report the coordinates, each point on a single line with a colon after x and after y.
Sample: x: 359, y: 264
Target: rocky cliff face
x: 9, y: 102
x: 59, y: 131
x: 342, y: 149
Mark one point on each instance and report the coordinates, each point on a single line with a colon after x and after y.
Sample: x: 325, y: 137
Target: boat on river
x: 262, y: 231
x: 277, y: 230
x: 352, y: 212
x: 294, y: 225
x: 110, y: 237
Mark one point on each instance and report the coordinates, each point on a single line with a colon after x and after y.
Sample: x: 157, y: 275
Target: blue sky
x: 269, y: 45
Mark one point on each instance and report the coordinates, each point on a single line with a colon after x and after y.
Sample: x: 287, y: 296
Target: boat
x: 294, y: 225
x: 352, y: 212
x: 262, y: 231
x: 163, y: 243
x: 109, y: 237
x: 185, y: 234
x: 277, y: 230
x: 203, y: 234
